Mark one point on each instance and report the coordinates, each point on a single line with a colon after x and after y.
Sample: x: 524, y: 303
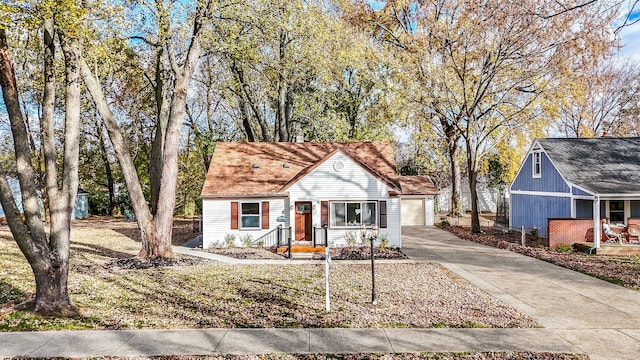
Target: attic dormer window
x: 537, y: 164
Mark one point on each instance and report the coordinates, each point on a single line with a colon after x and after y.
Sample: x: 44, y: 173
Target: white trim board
x: 541, y: 193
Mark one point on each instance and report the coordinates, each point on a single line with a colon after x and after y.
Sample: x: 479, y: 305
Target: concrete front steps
x: 302, y: 251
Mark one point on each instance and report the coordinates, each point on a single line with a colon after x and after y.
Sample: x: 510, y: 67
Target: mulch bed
x: 246, y: 253
x: 135, y: 263
x: 619, y: 269
x: 339, y: 253
x: 361, y: 253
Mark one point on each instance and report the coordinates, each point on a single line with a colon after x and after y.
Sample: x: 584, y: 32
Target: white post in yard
x: 522, y: 235
x: 596, y: 222
x: 327, y: 262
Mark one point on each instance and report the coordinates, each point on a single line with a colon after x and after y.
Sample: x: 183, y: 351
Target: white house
x: 251, y: 188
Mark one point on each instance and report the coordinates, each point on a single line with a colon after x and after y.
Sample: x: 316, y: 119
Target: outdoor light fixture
x: 374, y: 236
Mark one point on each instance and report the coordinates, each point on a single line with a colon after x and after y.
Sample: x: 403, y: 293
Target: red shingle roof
x: 417, y: 185
x: 266, y: 169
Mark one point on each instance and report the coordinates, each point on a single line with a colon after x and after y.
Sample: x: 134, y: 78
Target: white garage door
x: 412, y: 211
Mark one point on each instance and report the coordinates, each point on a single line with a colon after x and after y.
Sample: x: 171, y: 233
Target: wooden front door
x: 303, y: 221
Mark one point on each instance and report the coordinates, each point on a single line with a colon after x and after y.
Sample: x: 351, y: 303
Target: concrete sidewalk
x: 601, y: 319
x: 263, y: 341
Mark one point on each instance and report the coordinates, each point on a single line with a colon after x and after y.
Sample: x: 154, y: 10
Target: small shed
x: 81, y: 207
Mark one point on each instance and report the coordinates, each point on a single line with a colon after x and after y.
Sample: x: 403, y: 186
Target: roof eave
x: 243, y: 196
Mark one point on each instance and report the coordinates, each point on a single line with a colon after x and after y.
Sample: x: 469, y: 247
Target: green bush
x: 364, y: 239
x: 247, y: 240
x: 230, y: 240
x: 99, y: 203
x: 564, y: 248
x: 351, y: 238
x: 384, y: 241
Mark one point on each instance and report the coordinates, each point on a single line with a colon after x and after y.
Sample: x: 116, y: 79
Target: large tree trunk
x: 453, y: 150
x: 246, y: 122
x: 155, y: 230
x: 160, y: 245
x: 157, y: 147
x: 282, y: 111
x: 48, y: 258
x: 107, y: 168
x: 47, y: 122
x: 457, y: 206
x: 143, y: 214
x: 473, y: 182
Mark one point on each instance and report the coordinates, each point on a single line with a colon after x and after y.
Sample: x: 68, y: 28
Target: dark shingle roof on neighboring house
x: 604, y: 165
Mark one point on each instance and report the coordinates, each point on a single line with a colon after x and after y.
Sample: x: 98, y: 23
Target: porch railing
x: 319, y: 236
x: 278, y: 237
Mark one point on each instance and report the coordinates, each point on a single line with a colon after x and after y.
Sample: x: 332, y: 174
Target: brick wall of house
x: 569, y: 231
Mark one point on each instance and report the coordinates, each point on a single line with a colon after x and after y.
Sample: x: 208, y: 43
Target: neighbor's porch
x: 579, y: 233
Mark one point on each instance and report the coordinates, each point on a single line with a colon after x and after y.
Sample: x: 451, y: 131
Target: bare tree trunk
x: 157, y: 147
x: 143, y: 214
x: 46, y: 126
x: 282, y: 113
x: 48, y: 258
x: 473, y: 182
x: 457, y: 206
x: 107, y: 167
x: 246, y: 122
x: 453, y: 150
x: 246, y: 97
x: 156, y: 230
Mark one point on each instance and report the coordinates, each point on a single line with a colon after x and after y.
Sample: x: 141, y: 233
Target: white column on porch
x: 596, y: 222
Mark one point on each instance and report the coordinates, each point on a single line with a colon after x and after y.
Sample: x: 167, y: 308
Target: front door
x: 303, y: 221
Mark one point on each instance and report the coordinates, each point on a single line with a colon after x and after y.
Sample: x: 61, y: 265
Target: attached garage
x: 413, y: 212
x: 417, y: 203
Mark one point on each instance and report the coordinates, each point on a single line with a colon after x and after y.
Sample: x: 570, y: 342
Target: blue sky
x: 630, y: 38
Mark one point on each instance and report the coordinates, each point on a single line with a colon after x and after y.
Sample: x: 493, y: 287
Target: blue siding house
x: 577, y: 178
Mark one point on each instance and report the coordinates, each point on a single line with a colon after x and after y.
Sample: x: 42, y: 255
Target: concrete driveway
x: 599, y: 318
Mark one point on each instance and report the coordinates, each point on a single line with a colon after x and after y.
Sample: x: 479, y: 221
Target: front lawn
x: 200, y: 293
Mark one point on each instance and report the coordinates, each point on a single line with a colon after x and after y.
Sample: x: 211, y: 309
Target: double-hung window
x: 537, y: 164
x: 616, y: 211
x: 250, y: 215
x: 353, y: 213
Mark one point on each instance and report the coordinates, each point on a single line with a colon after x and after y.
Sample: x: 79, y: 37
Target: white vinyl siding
x: 216, y: 220
x: 348, y: 182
